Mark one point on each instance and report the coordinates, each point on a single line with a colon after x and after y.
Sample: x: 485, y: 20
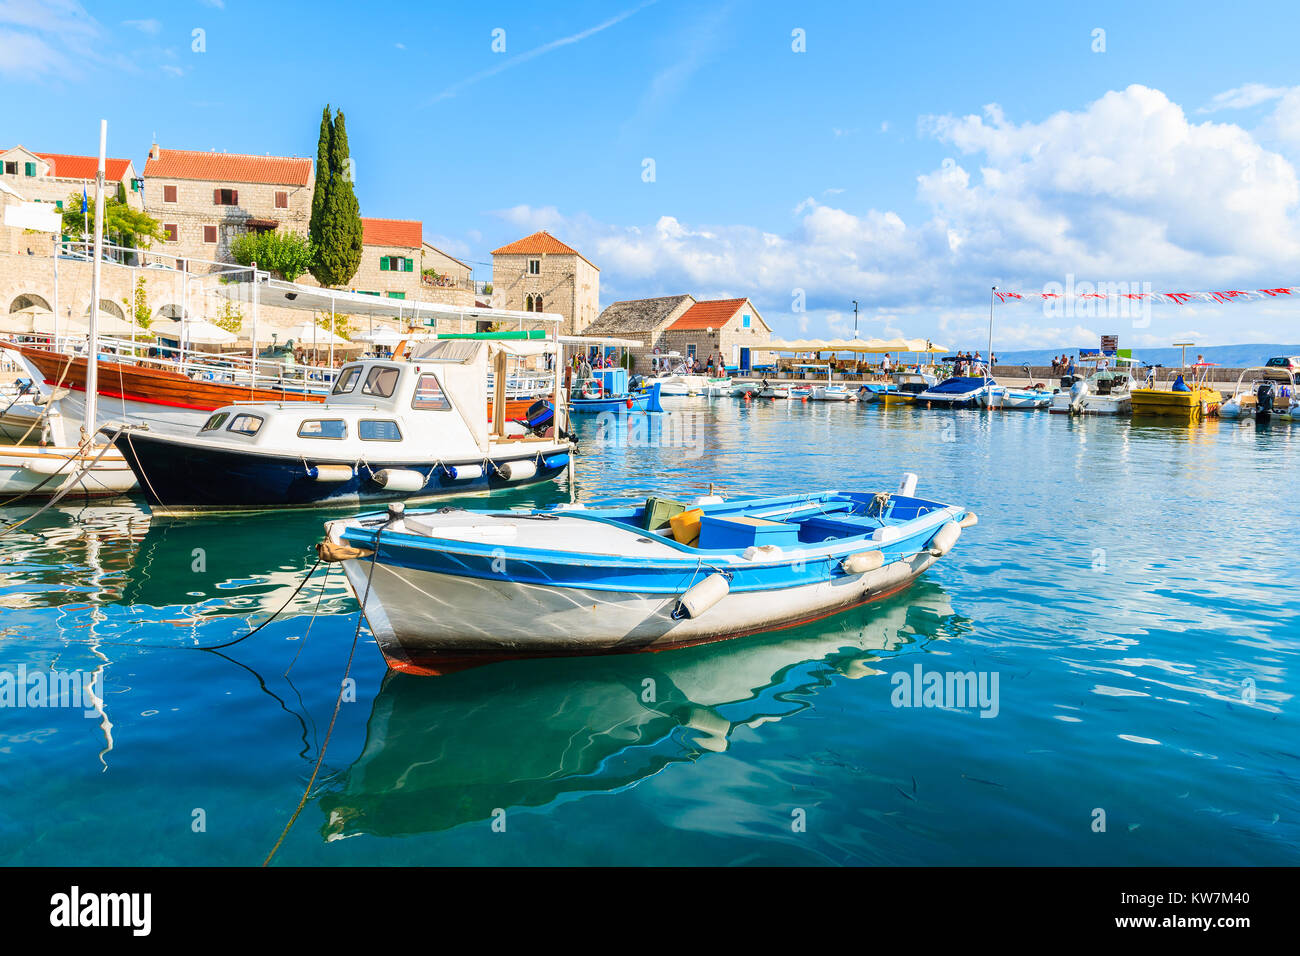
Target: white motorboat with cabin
x: 388, y: 431
x: 1107, y: 391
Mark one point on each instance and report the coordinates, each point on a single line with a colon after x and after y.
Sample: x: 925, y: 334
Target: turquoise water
x: 1130, y: 586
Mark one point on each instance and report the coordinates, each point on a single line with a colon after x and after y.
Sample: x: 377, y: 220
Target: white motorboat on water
x: 1016, y: 399
x: 1262, y: 392
x: 836, y: 392
x: 1107, y: 391
x: 775, y: 389
x: 388, y: 431
x: 449, y: 588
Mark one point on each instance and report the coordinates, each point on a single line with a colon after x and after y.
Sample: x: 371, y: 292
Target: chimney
x: 155, y: 152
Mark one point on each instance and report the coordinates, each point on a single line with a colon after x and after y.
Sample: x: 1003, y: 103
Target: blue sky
x: 910, y: 157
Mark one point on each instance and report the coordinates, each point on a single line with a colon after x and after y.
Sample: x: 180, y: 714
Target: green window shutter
x: 410, y: 265
x: 58, y: 204
x: 397, y: 295
x: 30, y: 168
x: 383, y: 263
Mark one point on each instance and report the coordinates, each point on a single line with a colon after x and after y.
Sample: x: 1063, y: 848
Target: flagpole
x: 92, y: 342
x: 989, y: 364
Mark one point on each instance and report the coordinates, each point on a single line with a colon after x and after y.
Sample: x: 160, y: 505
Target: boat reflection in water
x: 442, y: 753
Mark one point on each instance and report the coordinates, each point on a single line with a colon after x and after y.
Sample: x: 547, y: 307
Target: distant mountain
x: 1229, y: 356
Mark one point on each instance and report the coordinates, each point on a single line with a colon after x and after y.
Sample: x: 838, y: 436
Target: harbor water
x: 1126, y: 611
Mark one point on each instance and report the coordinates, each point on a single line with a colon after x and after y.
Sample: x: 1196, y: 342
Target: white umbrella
x: 385, y: 337
x: 197, y: 332
x: 307, y: 334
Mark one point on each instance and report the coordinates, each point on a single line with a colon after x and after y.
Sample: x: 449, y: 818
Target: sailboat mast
x: 989, y: 364
x: 92, y: 341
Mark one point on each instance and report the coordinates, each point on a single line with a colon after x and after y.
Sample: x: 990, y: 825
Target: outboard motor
x: 1264, y: 396
x: 1067, y: 381
x: 1078, y: 391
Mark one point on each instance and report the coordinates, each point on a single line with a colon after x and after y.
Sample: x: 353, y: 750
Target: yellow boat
x: 1198, y: 401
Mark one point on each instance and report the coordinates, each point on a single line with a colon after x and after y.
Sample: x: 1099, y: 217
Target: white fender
x: 707, y: 500
x: 49, y: 465
x: 398, y: 479
x: 700, y: 597
x: 863, y: 561
x: 464, y: 472
x: 517, y: 470
x: 907, y: 487
x: 944, y: 539
x: 970, y: 521
x: 330, y: 472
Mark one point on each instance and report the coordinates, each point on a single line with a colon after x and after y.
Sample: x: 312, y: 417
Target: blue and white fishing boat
x: 388, y: 431
x: 608, y: 391
x: 451, y: 588
x: 959, y: 391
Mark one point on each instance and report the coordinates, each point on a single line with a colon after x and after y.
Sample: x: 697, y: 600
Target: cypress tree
x: 321, y: 189
x: 339, y: 251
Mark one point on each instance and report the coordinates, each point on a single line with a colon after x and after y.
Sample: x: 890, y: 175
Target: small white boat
x: 775, y: 390
x: 48, y: 470
x: 1107, y: 391
x: 832, y: 393
x: 680, y: 382
x: 1021, y: 399
x: 449, y: 588
x: 1262, y: 392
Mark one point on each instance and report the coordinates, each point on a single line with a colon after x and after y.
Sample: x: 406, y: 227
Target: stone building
x: 203, y: 201
x: 539, y: 273
x: 692, y: 329
x: 641, y: 320
x: 731, y: 327
x: 56, y: 178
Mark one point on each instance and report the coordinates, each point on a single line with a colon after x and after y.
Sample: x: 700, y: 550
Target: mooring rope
x: 338, y: 701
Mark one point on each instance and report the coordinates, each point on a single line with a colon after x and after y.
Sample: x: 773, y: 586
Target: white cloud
x: 45, y: 38
x: 1242, y: 97
x: 152, y: 27
x: 1125, y: 189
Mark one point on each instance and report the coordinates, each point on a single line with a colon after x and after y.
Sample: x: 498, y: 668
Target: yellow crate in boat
x: 686, y: 526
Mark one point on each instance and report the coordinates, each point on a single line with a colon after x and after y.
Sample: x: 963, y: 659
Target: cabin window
x: 381, y: 381
x: 348, y: 380
x: 428, y: 394
x: 370, y: 429
x: 215, y: 422
x: 323, y: 428
x: 245, y: 424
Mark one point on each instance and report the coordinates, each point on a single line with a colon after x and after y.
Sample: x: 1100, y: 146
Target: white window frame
x: 534, y: 271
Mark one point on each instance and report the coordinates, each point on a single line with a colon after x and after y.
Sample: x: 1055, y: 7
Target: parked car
x: 1291, y: 362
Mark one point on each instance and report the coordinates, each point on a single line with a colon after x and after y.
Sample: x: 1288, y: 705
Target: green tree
x: 284, y: 253
x: 341, y: 326
x: 322, y: 175
x: 337, y: 230
x: 138, y: 304
x: 123, y: 226
x: 230, y: 318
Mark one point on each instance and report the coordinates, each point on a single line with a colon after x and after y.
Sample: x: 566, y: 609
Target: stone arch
x: 110, y: 307
x: 528, y: 303
x: 171, y: 310
x: 28, y: 299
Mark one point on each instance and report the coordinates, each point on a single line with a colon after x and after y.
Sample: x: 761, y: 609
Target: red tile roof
x: 65, y: 166
x: 229, y: 167
x: 707, y: 315
x: 540, y: 243
x: 407, y: 233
